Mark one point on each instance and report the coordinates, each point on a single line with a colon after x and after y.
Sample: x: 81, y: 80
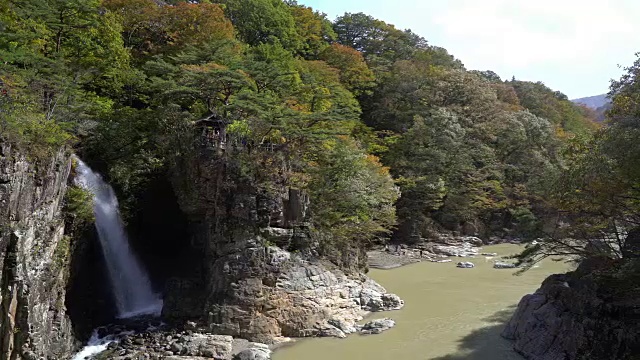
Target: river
x: 450, y: 313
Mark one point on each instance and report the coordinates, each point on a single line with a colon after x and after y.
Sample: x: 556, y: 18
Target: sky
x: 574, y: 46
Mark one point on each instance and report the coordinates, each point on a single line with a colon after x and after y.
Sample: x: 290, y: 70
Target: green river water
x: 449, y: 313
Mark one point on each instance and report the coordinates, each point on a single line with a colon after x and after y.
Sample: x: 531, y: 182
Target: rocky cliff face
x: 255, y: 270
x: 591, y: 313
x: 33, y: 257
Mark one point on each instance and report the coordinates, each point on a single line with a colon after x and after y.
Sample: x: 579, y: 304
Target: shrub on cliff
x: 78, y: 206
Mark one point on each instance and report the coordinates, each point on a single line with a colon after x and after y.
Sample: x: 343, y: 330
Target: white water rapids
x: 131, y: 287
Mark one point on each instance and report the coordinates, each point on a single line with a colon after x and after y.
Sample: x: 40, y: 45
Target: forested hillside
x: 391, y: 137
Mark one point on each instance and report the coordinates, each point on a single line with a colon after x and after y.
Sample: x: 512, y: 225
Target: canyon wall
x: 34, y: 255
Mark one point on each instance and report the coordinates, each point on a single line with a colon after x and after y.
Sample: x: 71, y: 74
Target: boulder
x: 374, y: 300
x: 328, y: 330
x: 391, y: 302
x: 475, y: 241
x: 503, y: 265
x: 377, y: 326
x: 255, y: 351
x: 345, y: 326
x: 462, y: 250
x: 465, y: 265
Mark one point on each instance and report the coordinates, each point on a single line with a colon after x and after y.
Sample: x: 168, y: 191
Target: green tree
x: 352, y: 195
x: 314, y: 29
x: 264, y: 22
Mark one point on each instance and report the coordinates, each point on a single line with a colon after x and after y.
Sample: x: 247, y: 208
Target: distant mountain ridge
x: 599, y: 103
x: 593, y: 102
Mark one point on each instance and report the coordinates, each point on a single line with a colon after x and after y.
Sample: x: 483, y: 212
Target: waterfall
x: 130, y: 283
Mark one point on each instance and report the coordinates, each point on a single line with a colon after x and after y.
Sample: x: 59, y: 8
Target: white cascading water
x: 130, y: 283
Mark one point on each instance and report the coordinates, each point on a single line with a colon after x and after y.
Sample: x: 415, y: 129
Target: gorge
x: 249, y: 166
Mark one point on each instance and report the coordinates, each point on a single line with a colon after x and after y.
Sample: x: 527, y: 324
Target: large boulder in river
x: 589, y: 314
x: 462, y: 250
x: 325, y: 329
x: 377, y: 326
x: 465, y: 265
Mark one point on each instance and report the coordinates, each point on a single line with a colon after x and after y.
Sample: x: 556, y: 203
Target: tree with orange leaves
x: 354, y: 72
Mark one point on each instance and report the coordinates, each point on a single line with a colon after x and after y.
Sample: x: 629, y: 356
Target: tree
x: 352, y: 195
x: 597, y: 195
x: 264, y: 22
x: 62, y: 60
x: 488, y: 75
x: 212, y: 87
x: 313, y: 28
x: 554, y: 106
x: 354, y: 72
x: 374, y: 37
x: 149, y: 28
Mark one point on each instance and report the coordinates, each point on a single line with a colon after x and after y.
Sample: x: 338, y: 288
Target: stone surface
x: 328, y: 330
x: 33, y: 257
x: 465, y: 265
x: 255, y: 351
x: 346, y: 327
x: 444, y: 245
x: 462, y: 250
x: 161, y: 342
x: 503, y: 265
x: 590, y: 314
x: 377, y: 326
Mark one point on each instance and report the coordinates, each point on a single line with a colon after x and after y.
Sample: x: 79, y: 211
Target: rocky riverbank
x: 328, y: 304
x: 307, y: 300
x: 159, y: 341
x: 438, y: 250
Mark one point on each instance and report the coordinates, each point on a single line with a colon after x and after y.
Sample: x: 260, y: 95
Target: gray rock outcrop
x: 591, y: 313
x: 33, y: 257
x: 256, y: 269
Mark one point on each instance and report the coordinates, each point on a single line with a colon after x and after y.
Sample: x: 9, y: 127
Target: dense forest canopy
x: 391, y: 136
